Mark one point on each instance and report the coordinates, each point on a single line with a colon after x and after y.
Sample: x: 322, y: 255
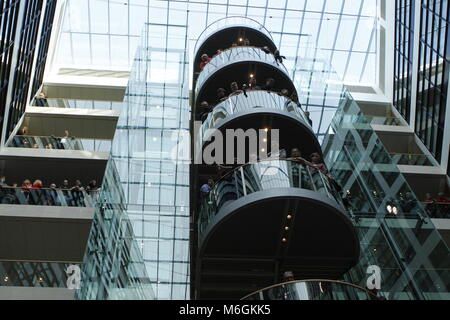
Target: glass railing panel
x: 60, y: 143
x: 386, y: 121
x: 77, y: 104
x: 410, y: 159
x: 313, y: 290
x: 264, y: 175
x: 235, y: 55
x: 438, y: 210
x: 33, y: 274
x: 47, y: 197
x: 230, y: 22
x: 251, y: 100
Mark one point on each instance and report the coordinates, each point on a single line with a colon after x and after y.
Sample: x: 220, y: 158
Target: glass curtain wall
x: 113, y: 267
x: 403, y: 57
x: 433, y: 74
x: 395, y: 232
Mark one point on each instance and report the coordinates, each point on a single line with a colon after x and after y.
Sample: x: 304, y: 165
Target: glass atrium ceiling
x: 104, y: 34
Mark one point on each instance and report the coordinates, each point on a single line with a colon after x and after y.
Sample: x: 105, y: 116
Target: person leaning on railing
x: 205, y: 60
x: 253, y: 84
x: 36, y: 194
x: 41, y: 100
x: 221, y: 95
x: 205, y: 110
x: 77, y: 193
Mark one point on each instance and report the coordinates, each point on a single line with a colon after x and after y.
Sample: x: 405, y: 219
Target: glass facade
x: 22, y: 73
x: 395, y: 231
x: 433, y: 74
x: 403, y: 55
x: 8, y: 24
x: 44, y: 43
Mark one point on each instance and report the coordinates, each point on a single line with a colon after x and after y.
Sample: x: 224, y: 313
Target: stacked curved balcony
x: 270, y: 215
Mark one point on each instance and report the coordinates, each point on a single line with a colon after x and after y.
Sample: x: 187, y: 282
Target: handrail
x: 228, y: 51
x: 49, y: 189
x: 408, y: 154
x: 229, y: 18
x: 59, y: 137
x: 437, y: 202
x: 312, y: 281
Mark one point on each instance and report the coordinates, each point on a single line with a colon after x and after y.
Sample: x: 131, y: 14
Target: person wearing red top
x: 26, y: 189
x: 205, y: 60
x: 442, y: 198
x: 37, y: 184
x: 317, y: 164
x: 38, y: 195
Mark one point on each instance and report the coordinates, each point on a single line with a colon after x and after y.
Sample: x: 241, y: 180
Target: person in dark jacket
x: 41, y: 100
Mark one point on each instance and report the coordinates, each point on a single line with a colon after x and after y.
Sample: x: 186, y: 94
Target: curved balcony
x: 271, y: 215
x: 222, y: 33
x: 236, y: 65
x: 312, y: 290
x: 262, y: 109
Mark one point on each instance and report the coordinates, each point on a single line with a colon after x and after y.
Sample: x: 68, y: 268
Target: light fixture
x: 392, y: 209
x: 240, y: 39
x: 289, y: 217
x: 266, y: 129
x: 263, y: 150
x: 395, y: 210
x: 284, y: 240
x: 6, y: 279
x: 287, y: 228
x: 264, y: 140
x: 252, y: 75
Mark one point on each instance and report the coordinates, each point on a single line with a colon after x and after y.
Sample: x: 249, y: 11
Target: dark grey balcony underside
x: 294, y: 132
x: 242, y: 248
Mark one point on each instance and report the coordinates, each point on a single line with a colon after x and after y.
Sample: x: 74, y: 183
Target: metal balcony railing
x: 313, y: 290
x: 264, y: 175
x: 230, y: 22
